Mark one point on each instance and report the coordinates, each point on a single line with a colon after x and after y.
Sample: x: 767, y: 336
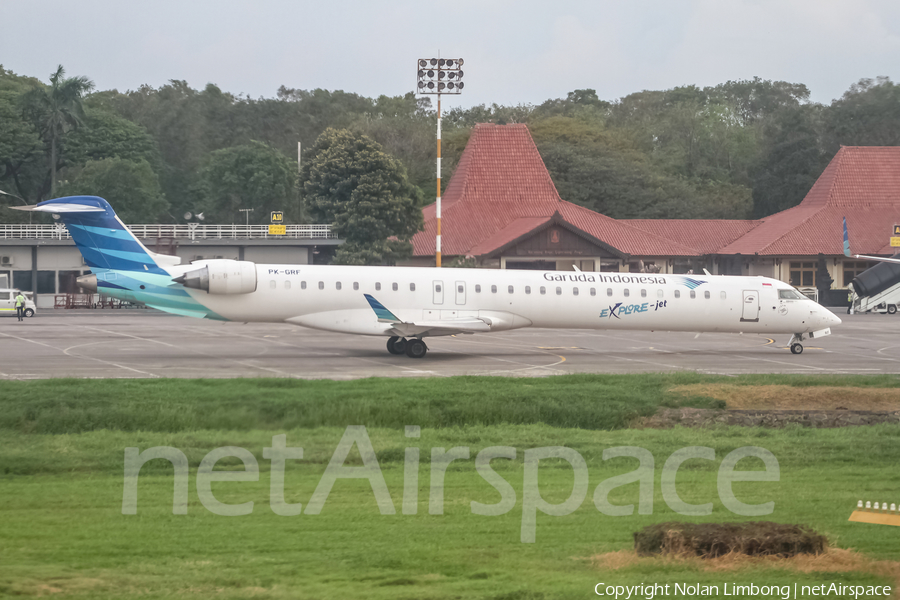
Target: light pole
x: 247, y: 212
x: 439, y: 76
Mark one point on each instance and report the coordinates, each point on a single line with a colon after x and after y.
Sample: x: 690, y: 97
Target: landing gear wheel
x: 30, y: 313
x: 797, y: 348
x: 396, y: 345
x: 416, y: 348
x: 892, y: 309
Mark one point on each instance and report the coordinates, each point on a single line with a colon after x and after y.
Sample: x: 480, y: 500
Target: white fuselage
x: 332, y: 298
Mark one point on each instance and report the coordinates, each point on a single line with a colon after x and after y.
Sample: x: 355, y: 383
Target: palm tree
x: 56, y: 109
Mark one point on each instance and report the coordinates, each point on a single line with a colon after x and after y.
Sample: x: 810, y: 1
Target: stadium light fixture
x: 438, y: 76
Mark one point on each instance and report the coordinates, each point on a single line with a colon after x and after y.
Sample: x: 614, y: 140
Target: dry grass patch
x: 832, y: 560
x: 786, y: 397
x: 710, y: 540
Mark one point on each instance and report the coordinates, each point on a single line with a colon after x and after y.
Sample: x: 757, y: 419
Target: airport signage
x: 277, y: 229
x: 277, y: 217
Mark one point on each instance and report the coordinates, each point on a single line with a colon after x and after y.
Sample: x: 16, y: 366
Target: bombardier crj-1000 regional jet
x: 409, y: 304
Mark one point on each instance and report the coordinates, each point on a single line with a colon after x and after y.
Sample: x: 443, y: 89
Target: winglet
x: 383, y: 314
x: 846, y: 239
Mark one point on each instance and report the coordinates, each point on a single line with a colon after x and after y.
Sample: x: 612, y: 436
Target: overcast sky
x: 516, y: 52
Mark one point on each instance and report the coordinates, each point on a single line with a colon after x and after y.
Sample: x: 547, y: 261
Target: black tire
x: 29, y: 312
x: 396, y: 345
x: 796, y: 348
x: 892, y: 309
x: 416, y: 348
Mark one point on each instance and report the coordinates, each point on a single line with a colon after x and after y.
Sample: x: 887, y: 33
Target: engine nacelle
x: 222, y: 277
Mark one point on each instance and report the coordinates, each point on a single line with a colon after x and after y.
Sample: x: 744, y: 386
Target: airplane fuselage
x: 332, y: 298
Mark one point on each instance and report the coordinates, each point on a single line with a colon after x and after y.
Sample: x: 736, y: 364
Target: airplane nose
x: 831, y: 319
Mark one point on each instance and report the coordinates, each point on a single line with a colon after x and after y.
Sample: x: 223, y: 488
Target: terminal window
x: 852, y: 270
x: 803, y: 274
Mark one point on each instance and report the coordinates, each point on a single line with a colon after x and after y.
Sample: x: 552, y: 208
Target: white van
x: 8, y: 303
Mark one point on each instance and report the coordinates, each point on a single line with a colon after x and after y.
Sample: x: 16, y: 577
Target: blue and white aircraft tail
x: 409, y: 304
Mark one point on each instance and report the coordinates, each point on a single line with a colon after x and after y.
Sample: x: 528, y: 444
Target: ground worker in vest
x: 20, y: 306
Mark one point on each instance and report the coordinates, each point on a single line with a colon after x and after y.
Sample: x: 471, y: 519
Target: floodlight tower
x: 439, y: 76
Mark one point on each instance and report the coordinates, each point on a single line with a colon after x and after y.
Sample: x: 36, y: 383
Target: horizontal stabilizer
x: 59, y: 208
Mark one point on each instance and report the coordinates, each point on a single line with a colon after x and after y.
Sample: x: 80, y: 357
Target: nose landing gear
x: 413, y: 348
x: 796, y: 346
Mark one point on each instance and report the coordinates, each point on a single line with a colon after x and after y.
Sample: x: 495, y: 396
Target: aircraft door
x: 750, y: 310
x: 461, y: 293
x: 438, y: 287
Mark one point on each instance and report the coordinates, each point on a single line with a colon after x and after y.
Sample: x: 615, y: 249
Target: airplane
x: 409, y: 304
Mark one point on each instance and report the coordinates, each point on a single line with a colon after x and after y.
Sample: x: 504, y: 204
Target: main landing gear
x: 796, y: 346
x: 413, y: 348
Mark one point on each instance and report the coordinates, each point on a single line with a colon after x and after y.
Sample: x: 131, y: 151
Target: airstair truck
x: 877, y: 288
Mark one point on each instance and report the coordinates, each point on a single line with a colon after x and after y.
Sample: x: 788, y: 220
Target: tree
x: 350, y: 182
x: 791, y: 162
x: 868, y: 114
x: 57, y: 109
x: 131, y: 187
x: 253, y: 175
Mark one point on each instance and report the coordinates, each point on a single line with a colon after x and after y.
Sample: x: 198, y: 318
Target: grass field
x: 61, y: 489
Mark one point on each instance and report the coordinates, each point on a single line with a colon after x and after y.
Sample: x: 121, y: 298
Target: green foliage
x: 131, y: 187
x: 107, y: 135
x: 253, y: 175
x: 868, y: 114
x: 55, y: 110
x: 350, y: 182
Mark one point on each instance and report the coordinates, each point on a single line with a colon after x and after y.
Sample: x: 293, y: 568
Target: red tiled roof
x: 704, y: 235
x: 501, y: 190
x: 861, y: 183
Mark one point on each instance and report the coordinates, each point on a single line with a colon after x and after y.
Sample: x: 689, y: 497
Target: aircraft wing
x: 414, y: 328
x: 848, y: 255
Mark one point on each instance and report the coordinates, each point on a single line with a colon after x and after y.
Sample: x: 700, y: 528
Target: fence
x: 189, y: 231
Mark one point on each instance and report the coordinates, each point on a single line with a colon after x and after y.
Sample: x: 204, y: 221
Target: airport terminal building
x: 501, y: 209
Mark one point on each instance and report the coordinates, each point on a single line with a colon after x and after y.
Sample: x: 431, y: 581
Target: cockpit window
x: 789, y: 295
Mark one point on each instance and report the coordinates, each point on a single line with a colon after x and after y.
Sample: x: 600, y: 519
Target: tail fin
x: 846, y: 239
x: 102, y: 238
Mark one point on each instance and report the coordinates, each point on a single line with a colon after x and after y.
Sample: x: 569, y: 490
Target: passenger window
x: 477, y: 288
x: 643, y: 293
x: 377, y: 286
x: 659, y: 293
x: 543, y: 290
x: 287, y: 285
x: 510, y: 289
x: 437, y: 289
x: 412, y: 287
x: 626, y: 292
x: 706, y: 294
x: 493, y: 289
x: 574, y: 291
x: 609, y: 291
x: 527, y: 289
x: 459, y: 289
x: 593, y: 291
x: 302, y: 285
x: 559, y: 291
x: 722, y: 295
x: 321, y: 285
x: 355, y: 285
x: 5, y: 295
x: 678, y: 293
x: 693, y: 294
x: 337, y: 285
x: 395, y: 287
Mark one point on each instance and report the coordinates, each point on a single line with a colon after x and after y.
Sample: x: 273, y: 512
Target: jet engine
x: 221, y: 277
